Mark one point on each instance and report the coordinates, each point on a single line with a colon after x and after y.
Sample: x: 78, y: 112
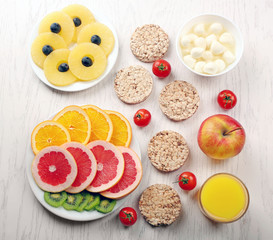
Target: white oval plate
x: 79, y: 85
x: 74, y: 215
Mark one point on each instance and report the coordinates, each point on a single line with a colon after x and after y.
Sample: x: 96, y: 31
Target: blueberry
x: 95, y: 39
x: 47, y: 49
x: 63, y: 67
x: 55, y: 27
x: 77, y: 21
x: 87, y: 62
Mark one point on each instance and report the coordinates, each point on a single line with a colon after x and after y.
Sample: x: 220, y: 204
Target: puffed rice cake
x: 168, y: 151
x: 149, y: 43
x: 160, y: 205
x: 133, y: 84
x: 179, y: 100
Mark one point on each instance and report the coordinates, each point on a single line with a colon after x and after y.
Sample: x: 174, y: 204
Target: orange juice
x: 223, y: 198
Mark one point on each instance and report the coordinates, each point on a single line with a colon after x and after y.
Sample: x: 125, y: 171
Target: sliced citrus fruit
x: 86, y: 163
x: 131, y: 176
x: 76, y: 121
x: 110, y: 165
x: 48, y: 133
x: 122, y: 132
x: 102, y: 126
x: 54, y: 169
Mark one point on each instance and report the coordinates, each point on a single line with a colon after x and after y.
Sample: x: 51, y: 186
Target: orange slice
x: 102, y: 126
x: 76, y: 121
x: 122, y: 132
x: 48, y: 133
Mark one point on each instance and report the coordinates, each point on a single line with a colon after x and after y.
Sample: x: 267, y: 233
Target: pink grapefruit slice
x: 110, y: 165
x: 131, y: 176
x: 54, y: 169
x: 86, y: 163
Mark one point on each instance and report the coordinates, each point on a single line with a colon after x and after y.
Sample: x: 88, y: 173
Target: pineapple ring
x: 51, y: 39
x: 95, y: 53
x: 65, y: 22
x: 82, y: 13
x: 101, y: 30
x: 51, y: 68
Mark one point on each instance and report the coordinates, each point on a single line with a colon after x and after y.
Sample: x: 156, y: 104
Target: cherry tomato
x: 128, y: 216
x: 187, y: 181
x: 227, y: 99
x: 142, y: 117
x: 161, y: 68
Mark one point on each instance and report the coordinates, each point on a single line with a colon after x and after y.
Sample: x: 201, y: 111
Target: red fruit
x: 227, y: 99
x: 187, y: 181
x: 131, y: 176
x: 142, y: 117
x: 128, y: 216
x: 54, y: 169
x: 161, y: 68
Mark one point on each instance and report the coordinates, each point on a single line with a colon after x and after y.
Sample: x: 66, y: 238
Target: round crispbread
x: 179, y: 100
x: 160, y: 205
x: 149, y: 43
x: 168, y: 151
x: 133, y: 84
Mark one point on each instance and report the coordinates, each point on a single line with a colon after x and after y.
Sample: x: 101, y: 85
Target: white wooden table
x: 25, y: 101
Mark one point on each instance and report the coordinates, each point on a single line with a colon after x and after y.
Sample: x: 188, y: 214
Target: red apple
x: 221, y: 136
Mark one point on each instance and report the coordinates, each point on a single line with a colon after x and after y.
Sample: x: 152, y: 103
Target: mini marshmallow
x: 210, y: 39
x: 186, y: 40
x: 197, y: 52
x: 207, y: 55
x: 217, y: 48
x: 199, y: 29
x: 216, y: 28
x: 200, y: 42
x: 189, y: 61
x: 228, y: 57
x: 210, y: 68
x: 226, y: 38
x: 199, y: 66
x: 220, y: 64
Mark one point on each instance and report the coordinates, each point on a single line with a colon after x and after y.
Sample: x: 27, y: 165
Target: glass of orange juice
x: 223, y: 198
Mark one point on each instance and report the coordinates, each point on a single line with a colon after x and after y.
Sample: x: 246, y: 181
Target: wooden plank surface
x: 25, y: 101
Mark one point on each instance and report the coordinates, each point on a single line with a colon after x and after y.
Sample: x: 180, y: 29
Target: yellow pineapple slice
x: 56, y: 68
x: 60, y: 23
x: 43, y: 45
x: 81, y: 16
x: 87, y: 61
x: 99, y: 34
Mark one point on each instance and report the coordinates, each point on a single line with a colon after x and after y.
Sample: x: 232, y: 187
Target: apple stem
x: 226, y: 133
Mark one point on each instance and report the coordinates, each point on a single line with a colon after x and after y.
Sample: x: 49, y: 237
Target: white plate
x: 74, y: 215
x: 79, y: 85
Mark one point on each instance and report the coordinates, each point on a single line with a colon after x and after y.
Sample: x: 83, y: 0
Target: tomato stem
x: 183, y: 180
x: 227, y: 99
x: 161, y: 67
x: 128, y: 215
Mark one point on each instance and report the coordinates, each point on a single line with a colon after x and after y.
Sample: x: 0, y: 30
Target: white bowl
x: 210, y: 18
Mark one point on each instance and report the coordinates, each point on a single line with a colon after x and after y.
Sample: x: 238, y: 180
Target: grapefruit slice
x: 86, y: 163
x: 110, y: 165
x: 131, y: 176
x: 54, y: 169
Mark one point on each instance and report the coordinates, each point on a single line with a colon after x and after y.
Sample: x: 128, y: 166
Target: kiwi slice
x: 85, y: 200
x: 55, y: 199
x: 93, y: 201
x: 106, y: 205
x: 73, y: 201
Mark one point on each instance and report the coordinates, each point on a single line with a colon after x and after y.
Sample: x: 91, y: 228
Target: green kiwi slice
x: 73, y: 201
x: 106, y: 205
x: 85, y: 200
x: 55, y: 199
x: 93, y: 201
